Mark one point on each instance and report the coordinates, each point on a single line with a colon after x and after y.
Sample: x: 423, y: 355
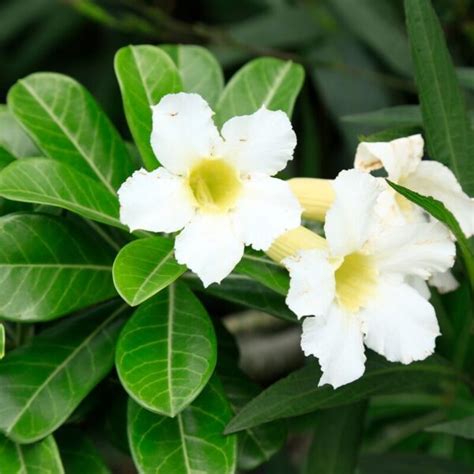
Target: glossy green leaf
x: 268, y: 82
x: 145, y: 74
x: 78, y: 453
x: 249, y: 294
x: 409, y: 463
x: 195, y: 441
x: 463, y: 427
x: 267, y: 272
x: 41, y: 384
x: 49, y: 182
x: 13, y: 138
x: 69, y: 126
x: 199, y: 70
x: 336, y: 428
x: 2, y: 341
x: 49, y: 267
x: 144, y: 267
x: 38, y: 458
x: 299, y: 393
x: 447, y: 127
x: 166, y: 353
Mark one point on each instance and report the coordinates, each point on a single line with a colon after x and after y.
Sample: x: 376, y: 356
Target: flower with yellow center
x: 353, y: 284
x: 216, y: 187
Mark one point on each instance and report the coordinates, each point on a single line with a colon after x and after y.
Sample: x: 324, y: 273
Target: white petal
x: 157, y: 201
x: 349, y: 220
x: 434, y: 179
x: 265, y: 210
x: 312, y: 283
x: 210, y: 247
x: 444, y: 282
x: 415, y: 249
x: 399, y: 157
x: 183, y: 131
x: 262, y: 142
x: 419, y: 285
x: 400, y: 324
x: 337, y: 341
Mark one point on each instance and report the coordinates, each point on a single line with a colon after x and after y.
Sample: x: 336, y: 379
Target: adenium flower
x: 354, y: 287
x: 216, y: 187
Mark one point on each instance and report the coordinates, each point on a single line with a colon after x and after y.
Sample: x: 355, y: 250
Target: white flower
x: 357, y: 292
x: 402, y: 159
x: 217, y: 189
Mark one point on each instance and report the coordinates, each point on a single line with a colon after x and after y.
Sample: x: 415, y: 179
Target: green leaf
x: 447, y: 127
x: 49, y: 267
x: 390, y: 134
x: 145, y: 74
x: 267, y: 272
x: 43, y: 383
x: 398, y: 116
x: 463, y: 427
x: 13, y: 138
x: 38, y: 458
x: 243, y: 291
x: 466, y: 77
x: 69, y: 126
x: 377, y: 29
x: 266, y: 82
x: 438, y: 210
x: 144, y: 267
x: 409, y: 463
x: 298, y: 393
x: 78, y: 454
x: 199, y: 70
x: 5, y: 157
x: 49, y: 182
x: 2, y: 341
x: 336, y: 428
x: 194, y: 439
x: 166, y: 353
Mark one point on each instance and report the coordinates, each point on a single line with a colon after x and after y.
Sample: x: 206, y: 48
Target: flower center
x: 215, y: 185
x: 356, y: 281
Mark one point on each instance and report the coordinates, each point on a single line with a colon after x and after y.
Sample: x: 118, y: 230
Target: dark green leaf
x: 144, y: 267
x: 41, y: 384
x: 466, y: 77
x: 298, y: 393
x: 398, y: 116
x: 49, y: 268
x: 2, y: 341
x: 463, y: 427
x: 69, y: 126
x: 336, y: 440
x: 49, y: 182
x: 445, y: 120
x: 199, y: 70
x: 38, y: 458
x: 78, y: 454
x: 145, y: 74
x: 166, y: 353
x: 5, y: 157
x: 265, y: 81
x: 194, y: 439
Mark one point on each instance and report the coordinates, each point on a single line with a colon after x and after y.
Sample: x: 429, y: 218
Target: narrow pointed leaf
x: 268, y: 82
x: 43, y: 383
x: 463, y: 427
x: 38, y: 458
x: 78, y: 453
x: 445, y: 120
x: 195, y: 441
x: 2, y: 341
x: 13, y: 138
x: 299, y: 393
x: 144, y: 267
x: 166, y: 353
x: 49, y: 182
x: 336, y: 428
x: 199, y: 70
x: 68, y: 125
x: 145, y: 74
x: 398, y: 116
x: 49, y: 267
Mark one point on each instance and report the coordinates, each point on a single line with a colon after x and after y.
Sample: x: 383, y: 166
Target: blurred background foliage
x: 355, y: 53
x: 357, y: 60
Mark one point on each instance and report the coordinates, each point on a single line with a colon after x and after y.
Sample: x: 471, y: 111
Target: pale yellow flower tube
x: 315, y: 196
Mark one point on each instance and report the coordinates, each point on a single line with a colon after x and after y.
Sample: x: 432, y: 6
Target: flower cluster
x: 364, y: 284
